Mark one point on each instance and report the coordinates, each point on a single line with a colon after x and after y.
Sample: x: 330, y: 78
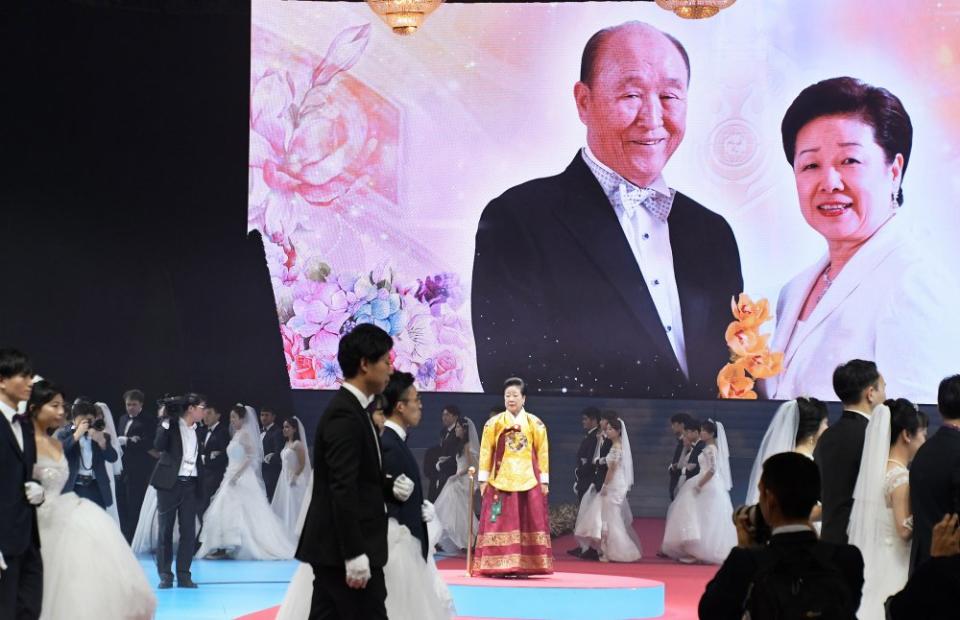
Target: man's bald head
x: 593, y: 47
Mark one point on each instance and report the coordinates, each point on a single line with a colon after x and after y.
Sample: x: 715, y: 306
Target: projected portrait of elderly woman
x: 876, y: 293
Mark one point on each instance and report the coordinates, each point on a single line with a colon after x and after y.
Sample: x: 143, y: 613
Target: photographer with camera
x: 88, y: 449
x: 176, y: 479
x: 792, y: 575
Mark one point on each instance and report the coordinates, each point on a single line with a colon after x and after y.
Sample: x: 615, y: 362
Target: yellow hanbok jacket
x: 516, y: 469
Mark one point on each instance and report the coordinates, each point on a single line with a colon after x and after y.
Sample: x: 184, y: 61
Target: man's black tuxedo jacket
x: 930, y: 593
x: 600, y: 469
x: 170, y: 446
x: 694, y: 460
x: 346, y: 517
x: 214, y: 441
x: 674, y: 469
x: 397, y: 460
x: 584, y: 470
x: 18, y: 519
x: 558, y: 297
x: 934, y: 488
x: 71, y: 449
x: 838, y: 455
x: 724, y: 596
x: 136, y: 457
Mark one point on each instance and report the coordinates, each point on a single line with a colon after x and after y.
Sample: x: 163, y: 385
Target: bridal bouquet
x: 750, y: 355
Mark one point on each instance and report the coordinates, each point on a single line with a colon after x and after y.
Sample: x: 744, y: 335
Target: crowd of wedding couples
x: 87, y: 493
x: 837, y: 518
x: 855, y: 518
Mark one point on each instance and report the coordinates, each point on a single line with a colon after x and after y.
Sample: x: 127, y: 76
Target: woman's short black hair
x: 516, y: 382
x: 240, y: 410
x: 292, y: 421
x: 812, y: 412
x: 83, y: 407
x: 948, y: 398
x: 905, y: 416
x: 710, y: 426
x: 365, y: 342
x: 43, y: 392
x: 877, y: 107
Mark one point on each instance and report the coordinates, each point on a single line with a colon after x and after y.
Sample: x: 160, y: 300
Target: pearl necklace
x: 827, y: 281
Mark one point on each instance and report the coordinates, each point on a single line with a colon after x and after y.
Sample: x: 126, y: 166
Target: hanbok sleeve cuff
x: 483, y: 476
x: 544, y: 478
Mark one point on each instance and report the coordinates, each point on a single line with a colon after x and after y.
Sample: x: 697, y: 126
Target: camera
x: 757, y: 526
x: 98, y: 424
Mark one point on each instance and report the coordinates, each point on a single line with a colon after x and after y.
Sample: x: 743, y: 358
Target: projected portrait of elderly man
x: 603, y: 279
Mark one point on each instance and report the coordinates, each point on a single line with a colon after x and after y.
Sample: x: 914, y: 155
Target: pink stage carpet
x: 684, y: 583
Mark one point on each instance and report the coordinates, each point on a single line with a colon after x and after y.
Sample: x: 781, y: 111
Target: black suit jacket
x: 136, y: 456
x: 674, y: 468
x: 558, y: 297
x: 726, y: 592
x: 449, y: 447
x: 584, y: 470
x: 346, y: 517
x: 600, y: 468
x: 273, y: 443
x: 18, y: 518
x: 930, y: 593
x: 214, y: 441
x: 170, y: 446
x: 397, y: 460
x: 838, y: 455
x: 934, y: 488
x: 71, y: 448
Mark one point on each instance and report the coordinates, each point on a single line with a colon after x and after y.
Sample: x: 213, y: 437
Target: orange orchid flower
x: 734, y: 383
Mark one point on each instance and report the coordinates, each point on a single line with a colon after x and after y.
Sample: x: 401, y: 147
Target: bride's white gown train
x: 239, y: 518
x: 89, y: 571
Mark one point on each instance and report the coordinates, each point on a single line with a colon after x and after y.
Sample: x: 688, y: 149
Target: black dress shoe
x: 590, y: 554
x: 165, y: 584
x: 186, y: 583
x: 575, y: 552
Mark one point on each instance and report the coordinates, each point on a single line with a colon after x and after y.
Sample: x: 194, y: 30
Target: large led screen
x: 619, y: 218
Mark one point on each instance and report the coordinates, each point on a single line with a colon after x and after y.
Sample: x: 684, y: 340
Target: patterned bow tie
x: 632, y: 198
x: 20, y: 417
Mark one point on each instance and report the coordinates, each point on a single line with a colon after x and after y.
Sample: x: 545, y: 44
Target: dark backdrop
x: 125, y: 258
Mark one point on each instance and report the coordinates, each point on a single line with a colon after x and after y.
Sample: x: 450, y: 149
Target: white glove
x: 3, y: 564
x: 358, y: 571
x: 34, y: 492
x: 121, y: 441
x: 602, y: 460
x: 165, y: 424
x: 402, y: 488
x: 268, y: 458
x: 427, y: 512
x: 441, y: 460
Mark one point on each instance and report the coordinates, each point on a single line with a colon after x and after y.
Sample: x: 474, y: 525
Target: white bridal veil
x: 723, y: 457
x: 869, y: 506
x: 781, y: 436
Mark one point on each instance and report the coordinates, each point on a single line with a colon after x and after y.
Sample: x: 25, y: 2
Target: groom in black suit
x: 21, y: 569
x: 935, y: 473
x: 177, y: 481
x: 135, y: 434
x: 603, y: 280
x: 403, y: 411
x: 344, y: 536
x: 860, y: 388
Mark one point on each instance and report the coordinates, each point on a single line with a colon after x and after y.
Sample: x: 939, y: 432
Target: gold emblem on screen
x: 404, y: 16
x: 694, y: 9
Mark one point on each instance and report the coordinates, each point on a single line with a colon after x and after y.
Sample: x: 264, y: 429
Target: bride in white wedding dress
x: 881, y: 522
x: 81, y: 545
x: 699, y: 524
x: 604, y: 520
x: 295, y: 474
x: 239, y: 522
x: 453, y: 505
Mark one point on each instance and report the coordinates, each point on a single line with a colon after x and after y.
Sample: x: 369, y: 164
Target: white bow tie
x: 632, y: 198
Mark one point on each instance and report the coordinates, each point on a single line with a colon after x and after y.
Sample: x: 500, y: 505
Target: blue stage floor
x: 228, y: 589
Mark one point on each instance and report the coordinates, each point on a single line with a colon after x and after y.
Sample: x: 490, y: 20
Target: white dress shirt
x: 365, y: 402
x: 188, y: 438
x: 86, y: 457
x: 649, y: 239
x: 399, y: 430
x: 8, y: 413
